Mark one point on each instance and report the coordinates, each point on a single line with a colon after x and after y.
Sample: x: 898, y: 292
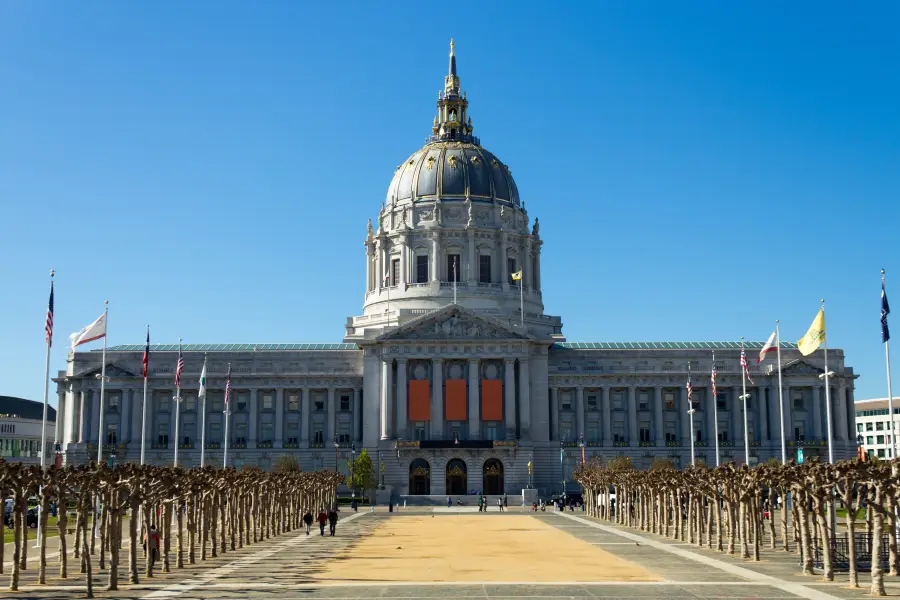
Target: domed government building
x: 454, y: 378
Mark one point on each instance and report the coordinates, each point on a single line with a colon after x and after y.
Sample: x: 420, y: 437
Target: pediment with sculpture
x: 800, y: 367
x: 453, y: 323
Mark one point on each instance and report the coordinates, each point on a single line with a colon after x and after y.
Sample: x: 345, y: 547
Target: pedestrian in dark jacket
x: 307, y: 519
x: 323, y: 518
x: 332, y: 520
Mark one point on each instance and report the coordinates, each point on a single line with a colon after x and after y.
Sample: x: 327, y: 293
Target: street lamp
x: 336, y: 446
x: 352, y: 461
x: 581, y: 443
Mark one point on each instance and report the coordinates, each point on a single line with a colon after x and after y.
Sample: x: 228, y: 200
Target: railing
x: 594, y: 444
x: 862, y: 543
x: 213, y: 445
x: 316, y: 445
x: 673, y: 444
x: 239, y: 445
x: 406, y: 444
x: 264, y: 444
x: 701, y: 444
x: 621, y: 444
x: 495, y: 286
x: 504, y: 443
x: 290, y: 445
x: 186, y: 446
x: 159, y: 446
x: 648, y: 444
x: 449, y: 284
x: 806, y: 443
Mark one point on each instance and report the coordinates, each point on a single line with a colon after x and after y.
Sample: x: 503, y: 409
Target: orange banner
x: 456, y: 400
x: 491, y: 400
x: 419, y: 400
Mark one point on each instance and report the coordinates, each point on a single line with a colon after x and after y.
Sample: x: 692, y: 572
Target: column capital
x: 403, y: 360
x: 437, y: 359
x: 509, y: 361
x: 474, y: 361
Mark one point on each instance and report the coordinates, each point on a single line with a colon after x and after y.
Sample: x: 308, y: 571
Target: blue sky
x: 700, y: 169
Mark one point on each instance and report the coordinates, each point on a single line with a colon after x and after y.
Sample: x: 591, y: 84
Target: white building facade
x: 873, y: 426
x: 454, y: 377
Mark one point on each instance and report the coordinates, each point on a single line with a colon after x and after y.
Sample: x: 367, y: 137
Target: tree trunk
x: 112, y: 537
x: 62, y: 523
x: 876, y: 508
x: 133, y: 536
x: 17, y: 541
x: 179, y: 516
x: 784, y: 520
x: 825, y: 534
x: 851, y: 531
x: 892, y: 534
x: 805, y: 534
x: 89, y: 576
x: 104, y: 521
x: 166, y: 538
x: 148, y: 515
x: 45, y: 511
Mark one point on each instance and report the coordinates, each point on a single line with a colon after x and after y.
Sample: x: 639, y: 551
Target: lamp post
x: 581, y: 443
x: 336, y: 446
x: 352, y: 461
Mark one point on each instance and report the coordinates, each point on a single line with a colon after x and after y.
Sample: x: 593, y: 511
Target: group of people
x: 502, y: 503
x: 330, y: 517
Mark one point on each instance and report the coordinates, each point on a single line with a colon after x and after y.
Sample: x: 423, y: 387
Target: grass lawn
x: 841, y: 513
x: 52, y: 531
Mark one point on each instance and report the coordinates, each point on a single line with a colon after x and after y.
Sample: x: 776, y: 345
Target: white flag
x: 202, y: 393
x: 94, y: 331
x: 769, y: 347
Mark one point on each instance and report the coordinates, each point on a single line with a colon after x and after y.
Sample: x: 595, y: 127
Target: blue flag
x: 885, y: 311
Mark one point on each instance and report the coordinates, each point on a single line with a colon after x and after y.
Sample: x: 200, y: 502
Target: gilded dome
x: 454, y: 171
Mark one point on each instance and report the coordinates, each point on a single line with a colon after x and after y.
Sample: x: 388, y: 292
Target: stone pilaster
x: 658, y: 432
x: 402, y: 402
x: 474, y: 397
x: 279, y: 418
x: 509, y: 398
x: 386, y: 399
x: 304, y: 417
x: 437, y: 399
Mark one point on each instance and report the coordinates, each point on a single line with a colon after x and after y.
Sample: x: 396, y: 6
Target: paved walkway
x: 419, y: 555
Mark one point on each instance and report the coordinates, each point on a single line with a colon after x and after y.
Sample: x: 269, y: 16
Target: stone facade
x: 453, y: 378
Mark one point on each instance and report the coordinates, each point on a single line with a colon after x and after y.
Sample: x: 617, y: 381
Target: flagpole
x: 691, y: 414
x: 102, y: 386
x: 824, y: 376
x: 46, y: 396
x: 203, y: 417
x: 228, y: 412
x: 780, y: 391
x: 744, y: 397
x: 454, y: 281
x: 715, y: 411
x: 144, y: 410
x: 177, y: 405
x: 522, y: 299
x: 887, y: 361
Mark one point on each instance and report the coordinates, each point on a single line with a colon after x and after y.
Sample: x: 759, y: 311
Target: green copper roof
x: 666, y: 345
x: 228, y: 347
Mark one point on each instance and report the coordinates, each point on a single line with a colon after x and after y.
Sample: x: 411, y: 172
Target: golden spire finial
x: 451, y: 46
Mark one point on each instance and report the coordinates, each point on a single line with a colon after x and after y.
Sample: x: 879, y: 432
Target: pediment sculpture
x: 455, y: 327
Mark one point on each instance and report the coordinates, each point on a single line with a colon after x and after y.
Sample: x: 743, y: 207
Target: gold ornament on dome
x: 495, y: 163
x: 475, y: 160
x: 429, y: 164
x: 452, y: 161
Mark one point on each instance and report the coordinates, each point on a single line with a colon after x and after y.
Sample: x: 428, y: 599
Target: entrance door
x: 419, y: 477
x: 492, y: 475
x: 456, y: 477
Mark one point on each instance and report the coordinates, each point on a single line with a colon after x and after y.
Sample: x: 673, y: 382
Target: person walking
x: 449, y: 501
x: 332, y: 520
x: 323, y: 518
x: 307, y: 519
x: 500, y: 504
x: 151, y: 544
x: 505, y: 501
x: 479, y: 504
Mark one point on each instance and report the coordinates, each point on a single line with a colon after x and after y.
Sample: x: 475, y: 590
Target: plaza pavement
x: 418, y: 554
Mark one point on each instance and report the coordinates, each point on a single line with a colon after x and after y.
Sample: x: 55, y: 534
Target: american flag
x: 146, y: 359
x: 745, y: 367
x: 227, y: 386
x: 179, y: 368
x: 48, y: 326
x: 713, y: 376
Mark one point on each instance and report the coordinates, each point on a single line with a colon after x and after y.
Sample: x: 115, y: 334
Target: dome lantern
x: 452, y: 122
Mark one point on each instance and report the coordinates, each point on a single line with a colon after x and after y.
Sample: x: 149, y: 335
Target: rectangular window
x: 190, y: 403
x: 453, y: 266
x: 593, y: 432
x: 869, y: 426
x: 484, y: 268
x: 643, y: 401
x: 267, y: 432
x: 879, y: 426
x: 268, y: 401
x: 644, y: 433
x: 112, y: 433
x: 618, y: 400
x: 511, y: 268
x: 669, y: 400
x: 565, y: 431
x: 113, y: 402
x: 395, y: 272
x: 592, y: 402
x: 240, y: 433
x: 319, y: 405
x: 618, y: 431
x: 798, y: 402
x: 162, y: 433
x: 345, y: 403
x: 799, y: 431
x: 216, y: 400
x: 422, y: 268
x: 490, y: 432
x: 565, y: 401
x: 319, y: 437
x: 881, y: 453
x: 293, y: 402
x: 215, y: 432
x: 163, y: 404
x: 870, y: 440
x: 419, y: 428
x: 879, y: 439
x: 243, y: 400
x: 859, y: 426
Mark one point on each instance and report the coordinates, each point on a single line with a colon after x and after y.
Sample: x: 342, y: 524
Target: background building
x: 454, y: 376
x: 873, y: 423
x: 20, y: 429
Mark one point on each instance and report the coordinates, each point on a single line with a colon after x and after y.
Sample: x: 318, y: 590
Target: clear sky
x: 699, y: 169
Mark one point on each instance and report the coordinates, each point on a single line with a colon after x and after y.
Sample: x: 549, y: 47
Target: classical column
x: 387, y: 386
x: 473, y: 265
x: 435, y: 254
x: 84, y: 409
x: 402, y: 418
x: 659, y: 434
x: 437, y: 399
x: 788, y: 423
x: 93, y: 431
x: 125, y: 421
x: 60, y: 414
x: 632, y: 417
x: 607, y: 419
x: 711, y: 418
x: 370, y: 267
x: 70, y: 431
x: 554, y: 414
x: 404, y: 251
x: 254, y: 411
x: 304, y: 417
x: 504, y: 274
x: 137, y: 414
x: 685, y: 418
x: 330, y: 418
x: 818, y: 392
x: 509, y: 397
x: 379, y: 265
x: 841, y: 426
x: 524, y: 400
x: 736, y: 416
x: 579, y: 412
x: 279, y: 418
x: 762, y: 400
x: 537, y: 267
x: 474, y: 400
x: 357, y: 414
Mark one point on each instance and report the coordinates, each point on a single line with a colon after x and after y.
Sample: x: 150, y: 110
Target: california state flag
x: 94, y: 331
x: 769, y: 347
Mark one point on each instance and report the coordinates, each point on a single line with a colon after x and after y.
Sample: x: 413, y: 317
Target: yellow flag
x: 517, y: 275
x: 815, y: 336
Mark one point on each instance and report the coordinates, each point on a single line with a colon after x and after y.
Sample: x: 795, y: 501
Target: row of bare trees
x: 727, y: 506
x: 211, y: 510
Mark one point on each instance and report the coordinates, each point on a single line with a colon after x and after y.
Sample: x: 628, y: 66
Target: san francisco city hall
x: 453, y: 397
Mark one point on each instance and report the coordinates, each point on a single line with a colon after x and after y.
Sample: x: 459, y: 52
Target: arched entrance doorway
x: 456, y: 477
x: 492, y: 474
x: 419, y: 477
